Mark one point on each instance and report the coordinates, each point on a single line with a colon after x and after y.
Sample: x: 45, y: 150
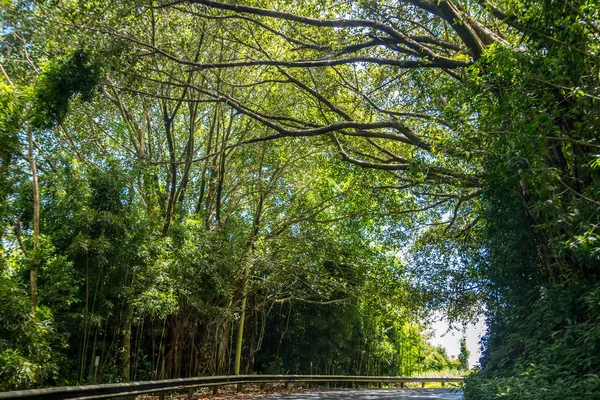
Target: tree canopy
x: 196, y: 185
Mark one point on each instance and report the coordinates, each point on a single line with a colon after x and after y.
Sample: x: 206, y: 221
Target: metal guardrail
x: 132, y: 389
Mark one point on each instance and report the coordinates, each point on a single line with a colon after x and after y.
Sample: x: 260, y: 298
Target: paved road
x: 373, y: 394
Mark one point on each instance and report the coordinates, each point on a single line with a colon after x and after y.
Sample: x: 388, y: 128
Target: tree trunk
x: 126, y: 367
x: 168, y: 121
x: 35, y: 262
x: 240, y: 332
x: 252, y: 349
x: 222, y: 339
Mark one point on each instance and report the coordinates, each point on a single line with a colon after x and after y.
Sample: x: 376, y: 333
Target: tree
x: 511, y: 164
x: 463, y: 356
x: 162, y: 226
x: 471, y: 125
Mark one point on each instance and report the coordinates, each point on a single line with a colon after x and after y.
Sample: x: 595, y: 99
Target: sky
x: 451, y: 339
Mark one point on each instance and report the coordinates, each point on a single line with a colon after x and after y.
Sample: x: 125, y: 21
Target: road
x: 373, y: 394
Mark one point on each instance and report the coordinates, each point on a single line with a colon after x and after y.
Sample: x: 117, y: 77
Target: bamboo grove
x: 203, y: 187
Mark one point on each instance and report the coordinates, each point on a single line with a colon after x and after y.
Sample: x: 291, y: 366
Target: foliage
x: 60, y: 82
x: 358, y: 335
x: 310, y: 178
x: 541, y: 211
x: 28, y: 349
x: 557, y: 362
x: 10, y: 118
x: 463, y: 356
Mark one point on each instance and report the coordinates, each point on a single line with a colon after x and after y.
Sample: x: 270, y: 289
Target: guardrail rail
x: 132, y: 389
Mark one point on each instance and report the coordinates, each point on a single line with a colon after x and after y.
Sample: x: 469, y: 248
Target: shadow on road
x: 372, y: 394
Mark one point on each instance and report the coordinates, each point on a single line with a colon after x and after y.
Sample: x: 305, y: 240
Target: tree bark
x: 126, y: 367
x: 240, y: 332
x: 35, y: 262
x: 172, y: 170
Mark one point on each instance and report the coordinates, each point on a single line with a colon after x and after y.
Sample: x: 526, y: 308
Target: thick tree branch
x: 332, y: 23
x: 408, y: 64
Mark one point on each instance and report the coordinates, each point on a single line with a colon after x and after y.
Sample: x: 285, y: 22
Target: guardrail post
x: 262, y: 386
x: 215, y: 389
x: 401, y: 385
x: 422, y: 384
x: 161, y: 396
x: 443, y: 384
x: 191, y: 393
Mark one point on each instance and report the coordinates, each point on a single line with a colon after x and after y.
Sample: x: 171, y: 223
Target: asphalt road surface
x: 373, y: 394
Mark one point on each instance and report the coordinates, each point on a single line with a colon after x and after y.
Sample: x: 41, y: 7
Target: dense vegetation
x: 203, y: 187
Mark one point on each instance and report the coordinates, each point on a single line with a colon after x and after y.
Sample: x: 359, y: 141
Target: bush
x: 27, y: 357
x: 551, y: 354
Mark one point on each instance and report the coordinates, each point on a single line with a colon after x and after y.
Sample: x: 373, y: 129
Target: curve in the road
x: 374, y: 394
